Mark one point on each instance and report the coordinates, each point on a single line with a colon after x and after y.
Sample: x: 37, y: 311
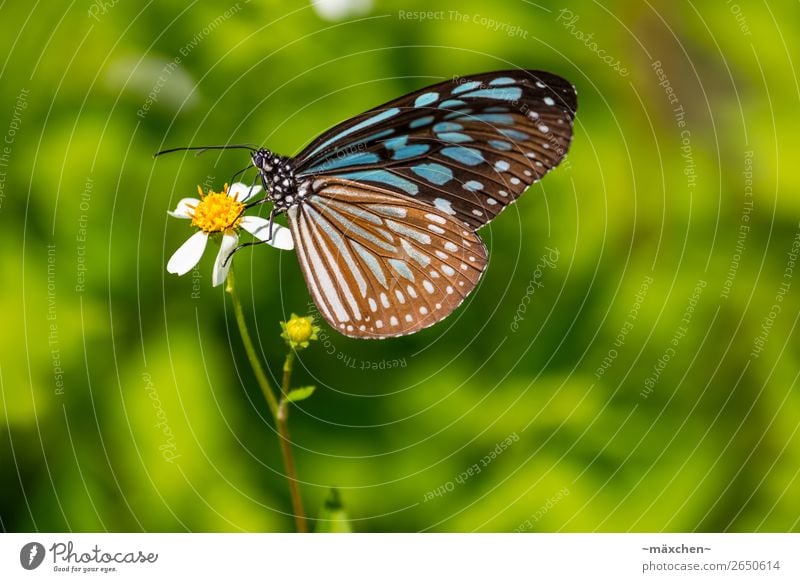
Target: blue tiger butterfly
x: 384, y: 207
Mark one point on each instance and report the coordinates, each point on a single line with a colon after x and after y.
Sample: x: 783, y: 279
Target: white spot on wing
x: 436, y: 218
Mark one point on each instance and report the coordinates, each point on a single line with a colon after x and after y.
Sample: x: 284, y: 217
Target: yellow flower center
x: 216, y: 211
x: 299, y: 329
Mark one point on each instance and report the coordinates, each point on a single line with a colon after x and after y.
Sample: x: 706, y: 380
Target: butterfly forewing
x: 466, y: 147
x: 379, y: 265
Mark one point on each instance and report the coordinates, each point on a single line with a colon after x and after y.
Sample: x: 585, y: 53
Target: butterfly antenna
x: 202, y: 149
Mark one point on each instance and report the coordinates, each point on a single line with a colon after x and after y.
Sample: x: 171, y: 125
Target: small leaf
x: 332, y: 517
x: 298, y: 394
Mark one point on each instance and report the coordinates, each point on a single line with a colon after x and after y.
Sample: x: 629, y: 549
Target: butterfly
x: 384, y: 207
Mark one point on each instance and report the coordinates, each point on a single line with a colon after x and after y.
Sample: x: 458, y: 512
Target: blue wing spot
x: 372, y: 137
x: 447, y: 126
x: 334, y: 163
x: 500, y: 145
x: 501, y: 165
x: 472, y: 186
x: 502, y: 81
x: 502, y: 93
x: 426, y: 99
x: 433, y: 173
x: 463, y: 155
x: 514, y: 134
x: 496, y: 110
x: 377, y: 118
x: 384, y: 177
x: 458, y: 114
x: 396, y: 142
x: 451, y: 104
x: 469, y: 86
x: 495, y: 118
x: 454, y: 137
x: 410, y: 151
x: 421, y: 122
x: 444, y: 205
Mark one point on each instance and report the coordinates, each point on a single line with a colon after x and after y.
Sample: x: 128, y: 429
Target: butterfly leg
x: 261, y: 201
x: 258, y: 242
x: 243, y: 245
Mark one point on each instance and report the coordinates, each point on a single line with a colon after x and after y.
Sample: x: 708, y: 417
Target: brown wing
x: 378, y: 265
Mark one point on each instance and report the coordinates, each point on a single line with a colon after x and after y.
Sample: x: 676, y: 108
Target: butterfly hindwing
x: 466, y: 147
x: 379, y: 265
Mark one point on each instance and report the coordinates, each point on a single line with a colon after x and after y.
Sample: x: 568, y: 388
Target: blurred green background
x: 646, y: 381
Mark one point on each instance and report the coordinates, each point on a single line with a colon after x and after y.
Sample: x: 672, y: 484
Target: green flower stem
x: 279, y: 411
x: 282, y: 422
x: 288, y: 366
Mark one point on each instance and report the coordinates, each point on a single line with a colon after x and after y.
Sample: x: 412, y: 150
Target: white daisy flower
x: 221, y: 212
x: 335, y: 10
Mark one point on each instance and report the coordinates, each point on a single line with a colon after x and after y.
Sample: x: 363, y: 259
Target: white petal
x: 243, y: 192
x: 259, y: 228
x: 282, y: 238
x: 229, y: 241
x: 188, y: 255
x: 256, y: 226
x: 184, y: 208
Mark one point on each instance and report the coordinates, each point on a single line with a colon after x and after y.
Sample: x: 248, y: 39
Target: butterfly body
x: 384, y: 207
x: 277, y: 174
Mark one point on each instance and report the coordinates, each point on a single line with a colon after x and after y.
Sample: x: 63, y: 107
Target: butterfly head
x: 277, y: 174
